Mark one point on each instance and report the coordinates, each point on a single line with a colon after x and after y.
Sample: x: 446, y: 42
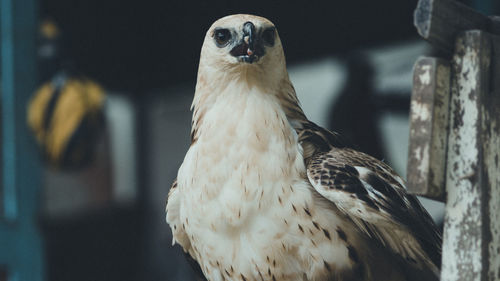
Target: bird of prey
x: 265, y: 194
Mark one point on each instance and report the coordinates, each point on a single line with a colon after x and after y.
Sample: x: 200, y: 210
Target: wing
x: 179, y: 235
x: 372, y: 195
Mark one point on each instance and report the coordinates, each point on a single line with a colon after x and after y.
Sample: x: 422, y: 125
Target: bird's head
x: 242, y: 54
x: 242, y: 42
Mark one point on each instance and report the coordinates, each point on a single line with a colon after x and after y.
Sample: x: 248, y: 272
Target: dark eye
x: 269, y: 35
x: 222, y: 36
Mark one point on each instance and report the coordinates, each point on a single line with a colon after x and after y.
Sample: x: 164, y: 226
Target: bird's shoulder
x: 173, y: 217
x: 179, y: 235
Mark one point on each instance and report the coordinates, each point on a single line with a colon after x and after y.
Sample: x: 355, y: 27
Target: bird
x: 263, y: 193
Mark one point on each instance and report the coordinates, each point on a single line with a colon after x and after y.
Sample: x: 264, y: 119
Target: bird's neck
x: 240, y: 110
x: 244, y: 138
x: 234, y: 96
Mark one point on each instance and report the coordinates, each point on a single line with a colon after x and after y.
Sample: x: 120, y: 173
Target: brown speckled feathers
x: 265, y: 194
x: 335, y: 167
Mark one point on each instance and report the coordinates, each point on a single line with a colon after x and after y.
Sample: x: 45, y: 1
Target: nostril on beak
x: 248, y: 27
x: 248, y: 32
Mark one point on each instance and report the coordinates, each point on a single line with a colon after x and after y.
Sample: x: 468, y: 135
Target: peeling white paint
x: 429, y: 127
x: 491, y: 147
x: 472, y: 221
x: 420, y: 111
x: 423, y: 166
x: 425, y: 78
x: 462, y: 253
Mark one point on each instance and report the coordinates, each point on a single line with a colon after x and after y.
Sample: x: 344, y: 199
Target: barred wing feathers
x: 372, y: 195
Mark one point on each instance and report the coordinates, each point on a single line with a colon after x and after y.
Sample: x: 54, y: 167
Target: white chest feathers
x: 243, y: 208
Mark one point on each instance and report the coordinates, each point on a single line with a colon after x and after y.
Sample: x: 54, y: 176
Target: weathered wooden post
x: 454, y: 150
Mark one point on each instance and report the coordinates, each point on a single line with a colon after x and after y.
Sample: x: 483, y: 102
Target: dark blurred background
x: 103, y: 218
x: 133, y: 46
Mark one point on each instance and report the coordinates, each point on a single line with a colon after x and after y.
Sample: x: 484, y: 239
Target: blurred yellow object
x: 65, y: 115
x: 49, y: 29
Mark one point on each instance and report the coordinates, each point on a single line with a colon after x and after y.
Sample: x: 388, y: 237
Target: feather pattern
x: 372, y: 195
x: 265, y: 194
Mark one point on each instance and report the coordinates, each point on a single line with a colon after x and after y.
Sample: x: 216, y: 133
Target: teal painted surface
x: 8, y: 127
x: 20, y: 241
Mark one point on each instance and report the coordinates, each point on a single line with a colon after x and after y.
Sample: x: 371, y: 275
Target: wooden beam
x: 440, y: 21
x: 472, y: 221
x: 490, y: 135
x: 429, y: 128
x: 495, y: 25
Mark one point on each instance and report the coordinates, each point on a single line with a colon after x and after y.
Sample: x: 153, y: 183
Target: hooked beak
x: 249, y: 49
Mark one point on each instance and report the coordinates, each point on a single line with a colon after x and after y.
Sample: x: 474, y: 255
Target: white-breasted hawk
x: 265, y: 194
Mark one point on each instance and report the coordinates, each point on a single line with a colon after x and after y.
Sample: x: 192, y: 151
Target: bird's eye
x: 222, y: 37
x: 268, y: 36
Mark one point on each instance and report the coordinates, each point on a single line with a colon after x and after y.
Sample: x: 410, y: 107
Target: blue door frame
x: 21, y: 252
